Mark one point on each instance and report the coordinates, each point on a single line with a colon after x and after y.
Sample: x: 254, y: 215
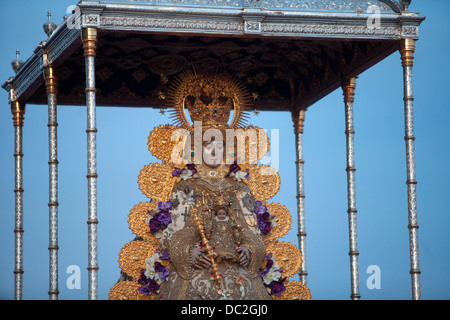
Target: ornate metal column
x: 89, y: 38
x: 298, y: 117
x: 349, y: 86
x: 51, y: 83
x: 407, y: 49
x: 18, y: 111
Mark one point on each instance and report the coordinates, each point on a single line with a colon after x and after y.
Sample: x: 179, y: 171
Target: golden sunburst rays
x: 209, y: 97
x: 242, y: 99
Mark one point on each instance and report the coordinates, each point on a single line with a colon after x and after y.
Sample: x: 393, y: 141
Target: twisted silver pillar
x: 298, y: 117
x: 348, y: 86
x: 407, y: 49
x: 18, y: 111
x: 51, y: 83
x: 89, y: 38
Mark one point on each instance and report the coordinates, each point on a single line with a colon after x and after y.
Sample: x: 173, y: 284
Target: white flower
x: 150, y: 267
x: 274, y: 222
x: 186, y: 174
x: 240, y: 175
x: 158, y: 234
x: 273, y: 275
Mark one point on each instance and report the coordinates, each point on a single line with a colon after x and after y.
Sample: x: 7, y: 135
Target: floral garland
x: 266, y: 221
x: 186, y: 172
x: 160, y: 219
x: 239, y: 172
x: 155, y: 273
x: 272, y: 276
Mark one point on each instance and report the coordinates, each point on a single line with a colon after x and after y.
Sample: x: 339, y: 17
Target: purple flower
x: 163, y: 271
x: 269, y: 264
x: 153, y: 286
x: 164, y: 217
x: 150, y: 288
x: 191, y: 166
x: 165, y: 205
x: 247, y: 176
x: 233, y: 168
x: 154, y: 225
x: 266, y: 230
x: 262, y: 272
x: 265, y: 227
x: 277, y: 287
x: 164, y: 256
x: 268, y: 256
x: 177, y: 172
x: 263, y: 217
x: 145, y: 290
x: 143, y: 279
x: 260, y: 209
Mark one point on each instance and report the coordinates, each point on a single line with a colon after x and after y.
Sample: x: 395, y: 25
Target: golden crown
x: 208, y: 97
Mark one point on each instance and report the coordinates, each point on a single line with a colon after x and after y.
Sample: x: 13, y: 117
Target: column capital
x: 18, y: 112
x: 349, y: 87
x: 298, y: 117
x: 89, y: 38
x: 51, y: 79
x: 407, y: 49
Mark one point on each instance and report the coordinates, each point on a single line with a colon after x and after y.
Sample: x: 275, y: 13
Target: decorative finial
x: 405, y: 4
x: 17, y: 64
x: 49, y: 26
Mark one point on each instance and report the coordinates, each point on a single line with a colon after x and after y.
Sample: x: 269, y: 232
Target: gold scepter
x: 208, y: 249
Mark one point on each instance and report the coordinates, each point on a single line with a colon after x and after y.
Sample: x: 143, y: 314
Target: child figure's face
x: 221, y: 214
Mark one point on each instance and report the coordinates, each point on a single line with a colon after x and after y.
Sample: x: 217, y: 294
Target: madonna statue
x: 208, y: 232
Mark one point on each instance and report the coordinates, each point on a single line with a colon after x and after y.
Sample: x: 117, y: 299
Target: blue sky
x: 122, y: 153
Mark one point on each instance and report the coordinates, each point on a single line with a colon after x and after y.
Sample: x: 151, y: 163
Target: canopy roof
x: 289, y: 53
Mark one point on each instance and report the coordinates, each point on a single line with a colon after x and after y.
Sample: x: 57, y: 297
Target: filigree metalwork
x: 156, y: 181
x: 137, y: 221
x: 256, y: 147
x: 132, y: 257
x: 160, y: 142
x: 295, y: 290
x: 124, y: 290
x: 264, y: 182
x: 337, y: 5
x: 283, y: 222
x: 287, y: 256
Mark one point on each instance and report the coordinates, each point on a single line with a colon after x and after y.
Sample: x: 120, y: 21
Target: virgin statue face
x: 213, y: 153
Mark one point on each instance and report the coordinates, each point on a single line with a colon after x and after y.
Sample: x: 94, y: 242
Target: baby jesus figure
x: 224, y: 237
